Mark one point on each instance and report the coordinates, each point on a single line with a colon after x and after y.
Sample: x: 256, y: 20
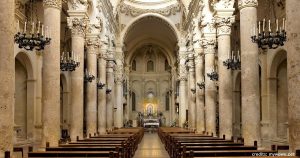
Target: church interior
x: 149, y: 78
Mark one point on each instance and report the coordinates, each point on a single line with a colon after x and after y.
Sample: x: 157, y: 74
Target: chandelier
x: 36, y: 38
x: 69, y: 62
x: 88, y: 77
x: 233, y: 62
x: 201, y: 85
x: 213, y: 75
x: 269, y: 39
x: 100, y: 85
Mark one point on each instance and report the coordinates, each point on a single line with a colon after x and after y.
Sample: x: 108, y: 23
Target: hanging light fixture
x: 213, y: 75
x: 69, y: 62
x: 234, y: 61
x: 100, y: 85
x: 35, y: 38
x: 268, y: 39
x: 88, y: 77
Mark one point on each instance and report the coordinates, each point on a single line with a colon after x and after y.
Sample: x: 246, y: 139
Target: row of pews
x: 119, y: 143
x: 182, y: 143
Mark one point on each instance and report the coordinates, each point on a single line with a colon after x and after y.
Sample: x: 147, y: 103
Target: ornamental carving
x: 224, y: 25
x: 247, y: 3
x: 224, y: 30
x: 92, y: 43
x: 94, y: 28
x: 52, y: 3
x: 209, y: 45
x: 76, y: 4
x: 77, y: 25
x: 223, y: 4
x: 133, y: 11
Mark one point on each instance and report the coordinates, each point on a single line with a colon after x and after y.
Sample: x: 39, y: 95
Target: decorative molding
x: 209, y: 45
x: 94, y: 28
x: 92, y: 43
x: 79, y: 4
x: 224, y: 4
x: 247, y: 3
x: 78, y: 26
x: 133, y: 11
x: 53, y: 3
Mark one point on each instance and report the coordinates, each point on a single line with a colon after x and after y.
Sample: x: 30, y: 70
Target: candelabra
x: 201, y: 85
x: 100, y: 85
x: 233, y: 62
x: 269, y: 39
x: 69, y: 62
x: 213, y: 76
x: 88, y: 77
x: 33, y: 40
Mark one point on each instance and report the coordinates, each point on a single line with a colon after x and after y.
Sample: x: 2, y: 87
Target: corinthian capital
x: 224, y: 25
x: 247, y: 3
x: 52, y: 3
x: 92, y: 42
x: 77, y: 25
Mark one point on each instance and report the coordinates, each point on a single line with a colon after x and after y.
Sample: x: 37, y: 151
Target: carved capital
x: 223, y: 4
x: 92, y: 43
x: 52, y: 4
x: 247, y: 3
x: 209, y: 45
x: 94, y: 28
x: 77, y: 25
x: 224, y: 25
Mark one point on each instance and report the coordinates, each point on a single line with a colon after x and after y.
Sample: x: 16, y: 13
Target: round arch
x: 25, y: 60
x: 142, y: 16
x: 278, y: 58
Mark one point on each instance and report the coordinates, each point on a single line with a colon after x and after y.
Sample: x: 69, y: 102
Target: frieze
x: 133, y: 11
x: 52, y: 3
x: 247, y: 3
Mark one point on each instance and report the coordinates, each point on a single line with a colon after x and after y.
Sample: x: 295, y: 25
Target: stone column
x: 182, y: 86
x: 119, y: 86
x: 92, y: 44
x: 77, y: 23
x: 109, y: 97
x: 209, y: 43
x: 249, y: 73
x: 102, y: 92
x: 191, y: 91
x: 7, y: 73
x: 200, y: 119
x: 293, y: 31
x: 224, y: 21
x: 51, y: 74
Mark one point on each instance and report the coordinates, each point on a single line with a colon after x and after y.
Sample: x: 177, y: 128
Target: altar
x: 151, y: 123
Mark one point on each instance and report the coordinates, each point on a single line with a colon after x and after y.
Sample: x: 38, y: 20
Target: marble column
x: 51, y: 74
x: 182, y: 86
x: 92, y: 44
x: 77, y: 24
x: 191, y: 91
x: 102, y: 92
x: 109, y: 96
x: 293, y: 60
x: 199, y: 66
x: 210, y: 88
x: 225, y: 75
x: 7, y: 73
x: 249, y: 73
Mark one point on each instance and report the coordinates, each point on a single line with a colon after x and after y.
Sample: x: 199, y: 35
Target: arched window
x: 133, y: 65
x: 150, y: 66
x: 133, y: 101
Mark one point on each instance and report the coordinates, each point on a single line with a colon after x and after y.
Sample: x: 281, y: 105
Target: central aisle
x: 151, y: 147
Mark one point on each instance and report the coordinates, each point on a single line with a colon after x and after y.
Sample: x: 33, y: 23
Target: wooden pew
x: 44, y: 154
x: 224, y: 153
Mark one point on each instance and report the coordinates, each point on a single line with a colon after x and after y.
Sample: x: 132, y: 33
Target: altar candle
x: 276, y: 25
x: 25, y: 27
x: 269, y: 25
x: 231, y: 55
x: 264, y: 25
x: 42, y: 30
x: 239, y: 56
x: 62, y: 56
x: 38, y: 29
x: 18, y: 26
x: 259, y: 27
x: 32, y: 29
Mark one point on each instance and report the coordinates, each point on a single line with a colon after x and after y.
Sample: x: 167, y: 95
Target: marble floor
x: 151, y: 147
